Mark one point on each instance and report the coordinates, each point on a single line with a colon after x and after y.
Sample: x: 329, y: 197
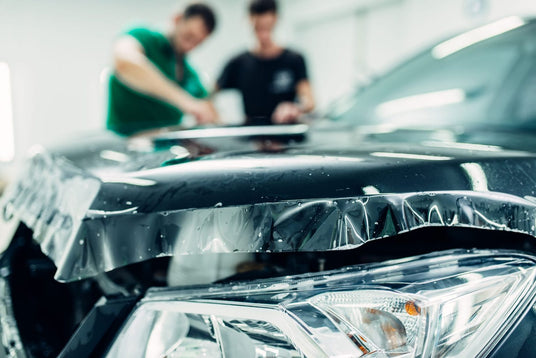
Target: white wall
x: 57, y: 49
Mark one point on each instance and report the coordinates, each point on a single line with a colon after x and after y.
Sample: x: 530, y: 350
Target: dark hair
x: 260, y: 7
x: 204, y: 12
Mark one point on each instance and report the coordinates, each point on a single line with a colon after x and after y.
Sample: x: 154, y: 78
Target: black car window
x: 460, y: 88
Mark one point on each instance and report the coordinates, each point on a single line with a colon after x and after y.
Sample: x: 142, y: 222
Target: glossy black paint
x: 337, y: 164
x: 521, y: 340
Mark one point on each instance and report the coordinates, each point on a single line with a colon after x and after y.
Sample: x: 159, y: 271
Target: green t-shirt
x: 130, y: 111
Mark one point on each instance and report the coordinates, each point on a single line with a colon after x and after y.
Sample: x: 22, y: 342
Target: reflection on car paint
x: 85, y: 242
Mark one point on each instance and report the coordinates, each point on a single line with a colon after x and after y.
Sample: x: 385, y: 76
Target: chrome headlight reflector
x: 448, y: 304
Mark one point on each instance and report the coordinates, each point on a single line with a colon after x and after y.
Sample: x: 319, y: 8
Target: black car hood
x: 111, y: 204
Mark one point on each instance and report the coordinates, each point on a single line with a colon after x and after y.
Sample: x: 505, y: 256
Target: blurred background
x: 55, y: 55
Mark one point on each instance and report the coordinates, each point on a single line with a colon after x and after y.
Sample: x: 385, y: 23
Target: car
x: 403, y: 226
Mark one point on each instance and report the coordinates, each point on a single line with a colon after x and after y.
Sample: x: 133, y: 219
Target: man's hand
x: 286, y: 112
x: 203, y: 111
x: 139, y: 73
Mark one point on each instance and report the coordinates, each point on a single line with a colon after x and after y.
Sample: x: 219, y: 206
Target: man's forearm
x: 306, y: 104
x: 306, y: 101
x: 140, y: 74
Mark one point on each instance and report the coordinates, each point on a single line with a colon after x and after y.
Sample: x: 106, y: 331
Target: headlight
x: 448, y: 304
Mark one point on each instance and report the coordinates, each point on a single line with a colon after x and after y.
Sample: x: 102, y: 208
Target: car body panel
x: 311, y: 196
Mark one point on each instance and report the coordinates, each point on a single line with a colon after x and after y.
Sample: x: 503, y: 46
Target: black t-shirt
x: 264, y: 83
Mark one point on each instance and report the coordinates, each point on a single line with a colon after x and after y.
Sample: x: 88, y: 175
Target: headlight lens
x: 449, y: 304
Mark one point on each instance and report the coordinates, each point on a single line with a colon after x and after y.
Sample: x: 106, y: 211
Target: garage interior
x: 55, y: 57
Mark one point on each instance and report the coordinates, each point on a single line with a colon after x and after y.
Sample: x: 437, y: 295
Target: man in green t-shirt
x: 153, y: 84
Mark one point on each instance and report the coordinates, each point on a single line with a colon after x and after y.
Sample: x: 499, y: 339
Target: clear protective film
x: 84, y: 242
x: 292, y: 226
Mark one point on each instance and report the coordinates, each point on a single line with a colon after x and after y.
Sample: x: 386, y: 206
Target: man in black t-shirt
x: 272, y: 79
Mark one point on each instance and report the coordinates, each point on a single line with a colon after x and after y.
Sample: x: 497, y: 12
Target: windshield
x: 487, y: 75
